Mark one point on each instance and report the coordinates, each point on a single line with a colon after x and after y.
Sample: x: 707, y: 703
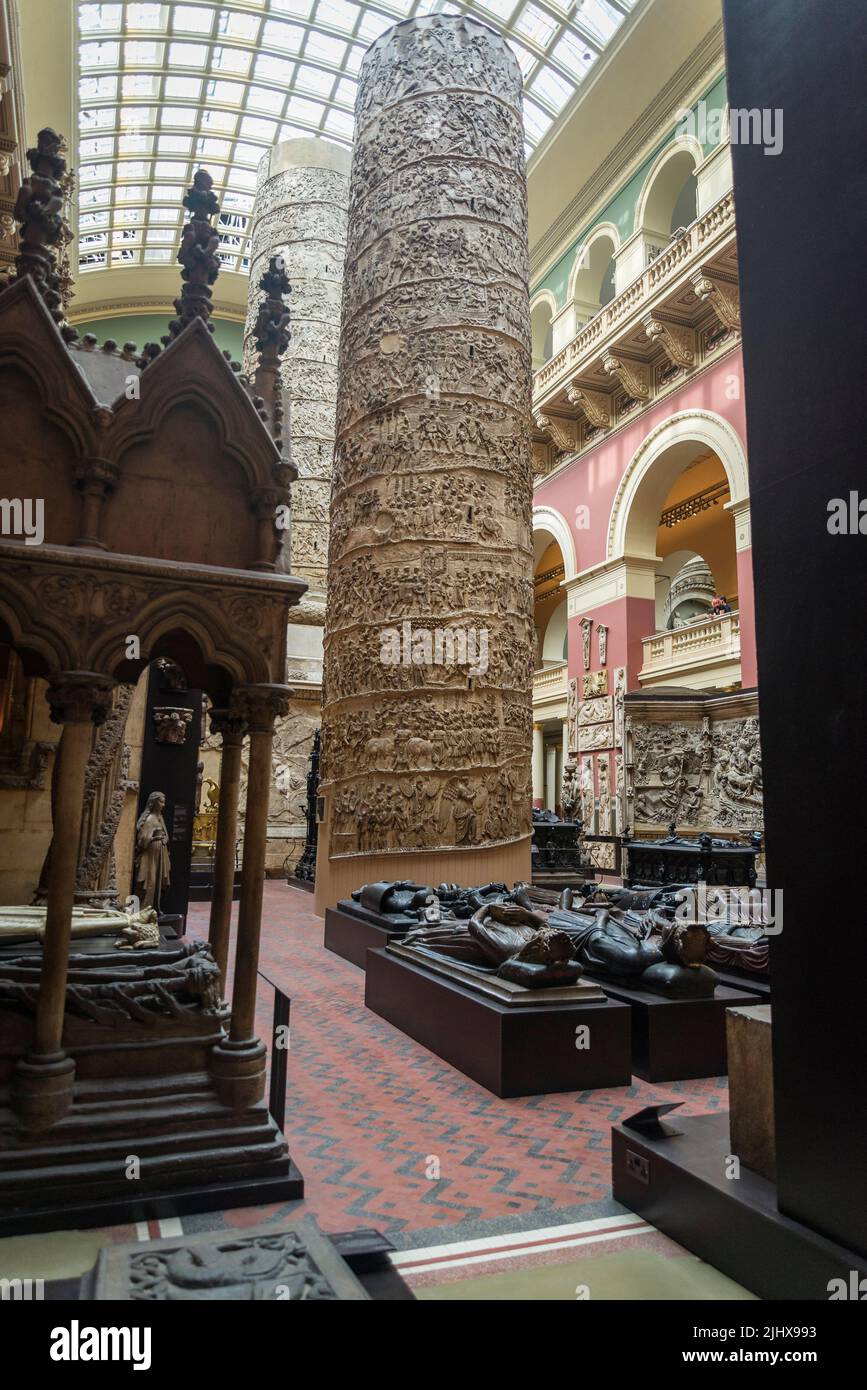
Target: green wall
x: 150, y: 328
x: 621, y: 209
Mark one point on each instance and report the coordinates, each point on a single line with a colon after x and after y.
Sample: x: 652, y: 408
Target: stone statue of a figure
x: 153, y: 865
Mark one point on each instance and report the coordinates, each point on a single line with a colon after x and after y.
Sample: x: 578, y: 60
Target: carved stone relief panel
x: 588, y: 806
x: 596, y: 736
x: 595, y: 683
x: 427, y: 722
x: 619, y: 693
x: 595, y: 711
x: 572, y: 715
x: 705, y: 774
x: 603, y: 775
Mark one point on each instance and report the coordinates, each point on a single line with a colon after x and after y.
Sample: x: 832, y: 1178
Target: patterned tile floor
x: 483, y: 1198
x: 387, y: 1135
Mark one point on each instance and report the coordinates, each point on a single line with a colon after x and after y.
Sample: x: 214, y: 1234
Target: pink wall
x: 592, y: 482
x: 593, y: 479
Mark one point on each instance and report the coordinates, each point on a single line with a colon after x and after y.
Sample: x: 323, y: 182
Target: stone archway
x: 547, y: 521
x: 656, y: 463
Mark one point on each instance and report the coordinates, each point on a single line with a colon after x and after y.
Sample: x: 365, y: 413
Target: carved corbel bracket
x: 723, y: 296
x: 595, y: 404
x: 676, y: 341
x: 633, y: 376
x: 562, y: 433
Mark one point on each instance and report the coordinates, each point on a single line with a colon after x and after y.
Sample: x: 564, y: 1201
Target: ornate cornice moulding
x: 148, y: 304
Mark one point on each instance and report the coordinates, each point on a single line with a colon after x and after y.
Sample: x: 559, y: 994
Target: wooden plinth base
x: 351, y: 933
x: 511, y: 1051
x: 145, y: 1149
x: 675, y: 1039
x: 169, y: 1200
x: 680, y: 1186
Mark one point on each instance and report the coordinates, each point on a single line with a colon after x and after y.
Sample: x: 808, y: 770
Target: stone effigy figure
x: 153, y: 865
x: 506, y: 938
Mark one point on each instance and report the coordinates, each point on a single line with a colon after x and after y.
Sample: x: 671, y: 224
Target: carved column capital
x: 80, y: 697
x: 260, y: 705
x: 230, y: 724
x: 264, y: 501
x: 96, y: 475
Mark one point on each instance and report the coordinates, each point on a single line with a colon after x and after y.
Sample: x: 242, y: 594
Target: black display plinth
x: 202, y: 882
x: 510, y: 1050
x: 351, y: 931
x: 675, y: 1039
x: 753, y: 984
x: 679, y: 1185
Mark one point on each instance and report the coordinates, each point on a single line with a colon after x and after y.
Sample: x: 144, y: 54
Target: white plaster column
x: 538, y: 766
x: 550, y: 796
x: 300, y: 213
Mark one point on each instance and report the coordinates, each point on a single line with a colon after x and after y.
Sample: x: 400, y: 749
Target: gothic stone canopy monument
x: 161, y: 476
x: 427, y: 714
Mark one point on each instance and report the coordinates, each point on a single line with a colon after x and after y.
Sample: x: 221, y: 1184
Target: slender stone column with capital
x: 426, y: 728
x: 231, y: 726
x: 238, y: 1064
x: 43, y: 1083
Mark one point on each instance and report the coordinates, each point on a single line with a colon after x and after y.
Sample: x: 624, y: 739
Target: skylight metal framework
x: 166, y: 88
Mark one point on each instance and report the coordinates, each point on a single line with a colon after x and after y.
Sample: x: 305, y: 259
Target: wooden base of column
x: 42, y: 1090
x: 238, y: 1072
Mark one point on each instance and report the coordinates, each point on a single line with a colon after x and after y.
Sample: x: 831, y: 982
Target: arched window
x: 541, y: 316
x: 592, y: 284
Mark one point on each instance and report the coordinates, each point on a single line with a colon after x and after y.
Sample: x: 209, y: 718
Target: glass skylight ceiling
x: 164, y: 89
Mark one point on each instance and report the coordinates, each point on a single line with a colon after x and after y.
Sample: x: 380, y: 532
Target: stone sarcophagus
x: 426, y: 726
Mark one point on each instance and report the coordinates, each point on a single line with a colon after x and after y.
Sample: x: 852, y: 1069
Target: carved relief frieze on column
x: 723, y: 296
x: 427, y: 710
x: 299, y: 219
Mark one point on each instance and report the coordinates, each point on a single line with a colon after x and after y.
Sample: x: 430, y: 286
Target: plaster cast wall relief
x: 427, y: 732
x: 701, y: 772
